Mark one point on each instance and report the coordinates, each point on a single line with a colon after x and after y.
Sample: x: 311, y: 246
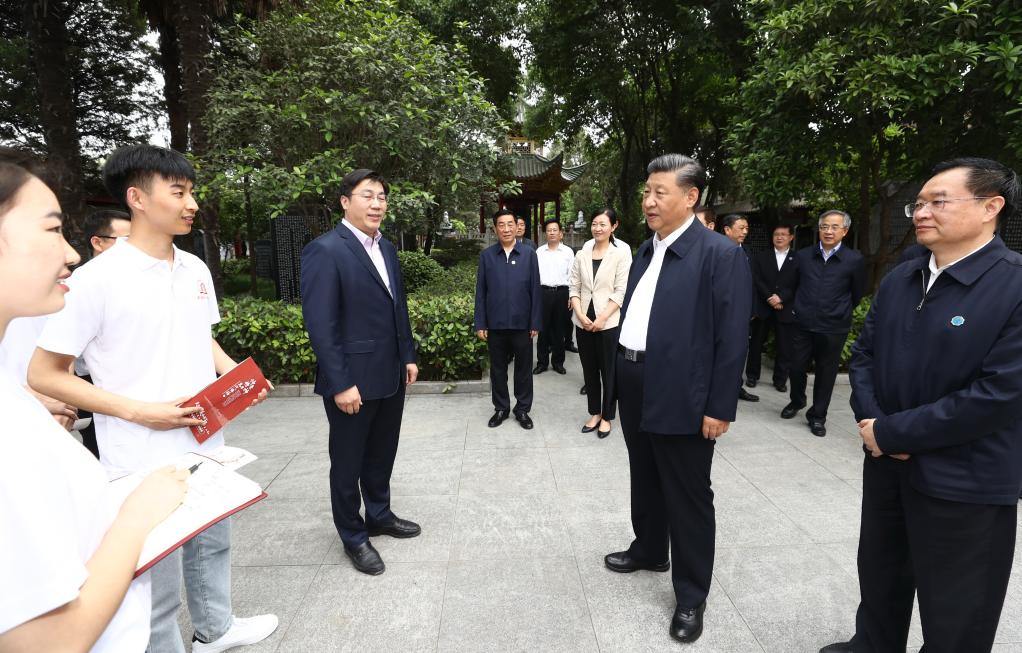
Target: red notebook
x: 226, y: 398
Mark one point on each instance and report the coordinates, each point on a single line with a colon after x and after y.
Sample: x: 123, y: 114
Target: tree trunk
x: 170, y: 63
x: 45, y: 27
x: 250, y: 235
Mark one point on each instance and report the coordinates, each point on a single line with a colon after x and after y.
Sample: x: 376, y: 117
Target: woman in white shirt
x: 596, y: 289
x: 67, y: 551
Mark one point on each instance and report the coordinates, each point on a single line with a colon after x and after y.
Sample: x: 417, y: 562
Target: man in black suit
x: 774, y: 279
x: 353, y: 301
x: 520, y: 236
x: 508, y: 314
x: 831, y: 281
x: 677, y: 364
x: 736, y: 228
x: 936, y: 380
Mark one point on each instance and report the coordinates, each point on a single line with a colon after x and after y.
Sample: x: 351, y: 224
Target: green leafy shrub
x: 459, y: 279
x: 418, y: 270
x: 858, y: 320
x: 447, y: 346
x: 271, y: 332
x: 449, y: 252
x: 236, y: 266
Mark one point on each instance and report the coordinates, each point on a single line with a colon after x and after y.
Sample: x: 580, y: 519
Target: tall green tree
x: 847, y: 101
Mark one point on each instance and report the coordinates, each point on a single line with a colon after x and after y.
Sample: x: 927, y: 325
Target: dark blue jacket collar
x: 966, y: 271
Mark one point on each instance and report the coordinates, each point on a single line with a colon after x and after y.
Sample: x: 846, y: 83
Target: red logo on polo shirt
x: 202, y: 291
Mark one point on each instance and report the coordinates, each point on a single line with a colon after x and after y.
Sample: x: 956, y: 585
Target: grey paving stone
x: 436, y: 517
x: 307, y: 476
x: 598, y: 522
x: 448, y: 435
x: 508, y: 435
x: 266, y: 467
x: 345, y: 610
x: 590, y: 468
x: 427, y: 473
x: 518, y: 526
x: 506, y: 471
x: 515, y: 605
x: 283, y: 532
x: 826, y: 511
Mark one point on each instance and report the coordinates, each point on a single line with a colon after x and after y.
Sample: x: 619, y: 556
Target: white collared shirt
x: 372, y: 248
x: 780, y: 256
x: 635, y: 326
x: 143, y: 326
x: 555, y: 265
x: 935, y: 271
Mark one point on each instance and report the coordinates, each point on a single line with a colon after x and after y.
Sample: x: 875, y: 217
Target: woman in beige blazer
x: 596, y: 290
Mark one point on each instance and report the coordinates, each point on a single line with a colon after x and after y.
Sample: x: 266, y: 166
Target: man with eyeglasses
x: 356, y: 313
x: 831, y: 281
x: 103, y: 228
x: 937, y: 388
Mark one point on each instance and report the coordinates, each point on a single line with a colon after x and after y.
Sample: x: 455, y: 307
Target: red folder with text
x: 226, y: 398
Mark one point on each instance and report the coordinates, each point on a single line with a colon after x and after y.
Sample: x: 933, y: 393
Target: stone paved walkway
x: 516, y: 523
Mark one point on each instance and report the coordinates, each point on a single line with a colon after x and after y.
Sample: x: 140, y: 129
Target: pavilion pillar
x: 542, y: 215
x: 557, y: 207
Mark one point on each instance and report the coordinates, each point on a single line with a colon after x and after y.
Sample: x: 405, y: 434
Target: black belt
x: 553, y: 287
x: 631, y: 354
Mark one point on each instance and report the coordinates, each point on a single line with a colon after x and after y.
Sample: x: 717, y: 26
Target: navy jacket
x: 508, y: 294
x: 768, y: 280
x: 359, y: 333
x: 943, y: 375
x: 827, y: 293
x: 698, y: 333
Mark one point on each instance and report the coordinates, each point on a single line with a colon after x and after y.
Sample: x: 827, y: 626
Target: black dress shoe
x: 570, y: 347
x: 582, y: 390
x: 817, y: 428
x: 781, y: 387
x: 623, y: 563
x: 539, y: 369
x: 397, y: 527
x: 744, y: 395
x: 498, y: 418
x: 751, y: 382
x: 560, y: 369
x: 365, y: 558
x: 524, y: 420
x: 590, y: 429
x: 791, y: 410
x: 839, y: 647
x: 687, y: 623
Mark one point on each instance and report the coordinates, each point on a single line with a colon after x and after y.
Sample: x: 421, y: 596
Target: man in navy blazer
x: 774, y: 278
x: 684, y: 335
x: 937, y: 388
x: 356, y: 313
x: 508, y: 315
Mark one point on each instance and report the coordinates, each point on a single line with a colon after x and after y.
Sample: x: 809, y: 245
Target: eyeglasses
x: 107, y: 237
x: 936, y: 205
x: 369, y: 197
x: 831, y: 227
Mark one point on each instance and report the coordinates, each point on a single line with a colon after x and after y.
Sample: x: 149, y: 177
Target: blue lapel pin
x: 957, y: 321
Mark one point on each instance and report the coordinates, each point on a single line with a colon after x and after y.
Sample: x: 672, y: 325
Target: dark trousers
x: 597, y: 351
x: 505, y: 344
x: 824, y: 350
x: 759, y: 329
x: 362, y: 451
x: 957, y: 556
x: 89, y: 432
x: 551, y: 338
x: 672, y: 503
x: 569, y: 327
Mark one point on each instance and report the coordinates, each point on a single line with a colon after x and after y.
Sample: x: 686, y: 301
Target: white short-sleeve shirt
x: 143, y: 327
x: 18, y: 345
x: 54, y: 511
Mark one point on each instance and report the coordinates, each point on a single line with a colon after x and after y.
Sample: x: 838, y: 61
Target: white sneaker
x: 242, y: 632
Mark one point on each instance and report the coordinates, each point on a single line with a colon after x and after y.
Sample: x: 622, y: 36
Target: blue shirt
x: 508, y: 294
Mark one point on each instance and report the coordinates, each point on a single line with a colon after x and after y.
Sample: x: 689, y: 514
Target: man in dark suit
x: 520, y: 236
x: 774, y: 279
x: 937, y: 388
x: 736, y: 228
x: 353, y: 301
x: 677, y: 367
x: 508, y: 315
x: 831, y: 282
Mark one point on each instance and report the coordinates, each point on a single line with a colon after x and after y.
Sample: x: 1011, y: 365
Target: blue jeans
x: 205, y: 563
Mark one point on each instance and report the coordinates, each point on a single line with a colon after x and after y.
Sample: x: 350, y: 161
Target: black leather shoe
x: 560, y: 369
x: 498, y: 418
x: 590, y: 429
x: 817, y: 428
x: 524, y: 420
x: 791, y: 410
x: 751, y: 382
x: 839, y: 647
x: 623, y: 563
x: 781, y: 387
x: 570, y: 347
x: 602, y: 434
x: 687, y: 623
x: 744, y: 395
x: 401, y: 528
x: 366, y: 559
x: 539, y: 369
x: 582, y: 390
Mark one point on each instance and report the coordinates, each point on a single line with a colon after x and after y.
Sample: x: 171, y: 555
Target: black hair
x: 611, y: 217
x: 17, y: 168
x: 709, y: 215
x: 730, y: 219
x: 356, y: 177
x: 501, y: 212
x: 136, y: 165
x: 987, y: 178
x: 688, y: 172
x: 98, y: 223
x: 551, y: 221
x: 521, y: 218
x: 784, y: 225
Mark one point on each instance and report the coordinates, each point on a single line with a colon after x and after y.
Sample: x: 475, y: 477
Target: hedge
x: 418, y: 270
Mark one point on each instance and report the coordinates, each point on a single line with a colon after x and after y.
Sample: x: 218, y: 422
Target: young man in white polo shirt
x: 140, y: 315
